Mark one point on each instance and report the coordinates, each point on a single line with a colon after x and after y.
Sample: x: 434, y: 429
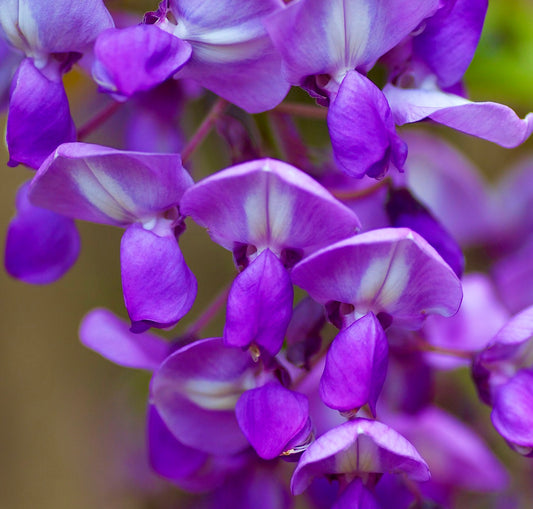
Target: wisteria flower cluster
x: 350, y: 290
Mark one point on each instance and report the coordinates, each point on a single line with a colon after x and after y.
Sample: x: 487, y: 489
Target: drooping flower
x: 137, y: 191
x: 53, y: 38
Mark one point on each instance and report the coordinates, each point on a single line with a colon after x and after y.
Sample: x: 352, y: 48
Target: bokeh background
x: 71, y: 431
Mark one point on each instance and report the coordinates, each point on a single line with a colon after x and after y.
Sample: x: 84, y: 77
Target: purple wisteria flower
x: 328, y: 47
x: 137, y: 191
x: 503, y: 372
x: 358, y: 450
x: 369, y: 282
x: 270, y: 215
x: 223, y: 46
x: 53, y: 37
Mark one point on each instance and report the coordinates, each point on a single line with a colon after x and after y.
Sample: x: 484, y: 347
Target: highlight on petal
x: 362, y: 131
x: 109, y: 186
x: 39, y: 117
x: 41, y: 245
x: 487, y: 120
x: 259, y: 305
x: 270, y: 416
x: 108, y: 335
x: 389, y: 270
x: 356, y: 365
x: 195, y: 391
x: 357, y: 447
x: 158, y: 286
x: 136, y: 59
x: 268, y: 204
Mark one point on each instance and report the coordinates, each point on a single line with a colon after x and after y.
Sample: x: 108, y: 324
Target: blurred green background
x: 72, y: 432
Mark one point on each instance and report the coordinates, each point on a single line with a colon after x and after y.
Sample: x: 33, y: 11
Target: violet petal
x: 391, y: 270
x: 41, y: 245
x: 108, y: 335
x: 158, y: 286
x: 487, y: 120
x: 259, y: 305
x: 511, y: 414
x: 270, y: 416
x: 362, y: 131
x: 109, y: 186
x: 356, y: 447
x: 195, y: 391
x: 356, y: 365
x: 136, y: 59
x: 39, y: 117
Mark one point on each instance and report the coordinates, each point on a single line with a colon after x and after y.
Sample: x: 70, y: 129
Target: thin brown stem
x: 204, y: 129
x: 212, y: 310
x: 302, y: 110
x: 98, y: 120
x: 361, y: 193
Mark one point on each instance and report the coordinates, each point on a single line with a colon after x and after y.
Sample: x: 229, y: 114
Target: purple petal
x: 319, y: 37
x: 511, y: 414
x: 232, y: 54
x: 259, y: 305
x: 405, y: 211
x: 10, y: 59
x: 136, y: 59
x: 356, y: 496
x: 356, y: 365
x: 450, y: 186
x: 487, y: 120
x: 53, y: 27
x: 159, y: 289
x: 362, y: 131
x: 268, y: 204
x: 270, y: 416
x: 480, y: 316
x: 195, y: 391
x: 40, y: 245
x: 39, y: 117
x: 449, y: 39
x: 513, y: 276
x: 110, y: 336
x: 456, y: 455
x: 391, y: 270
x: 357, y: 447
x: 168, y: 457
x: 109, y: 186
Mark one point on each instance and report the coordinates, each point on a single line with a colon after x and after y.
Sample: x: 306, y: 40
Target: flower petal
x: 259, y: 305
x: 39, y: 117
x: 362, y: 132
x: 270, y: 416
x: 40, y: 245
x: 487, y: 120
x: 109, y: 186
x: 268, y: 203
x: 159, y: 289
x: 136, y: 59
x: 195, y: 391
x: 108, y: 335
x: 356, y: 447
x: 390, y: 270
x: 356, y: 366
